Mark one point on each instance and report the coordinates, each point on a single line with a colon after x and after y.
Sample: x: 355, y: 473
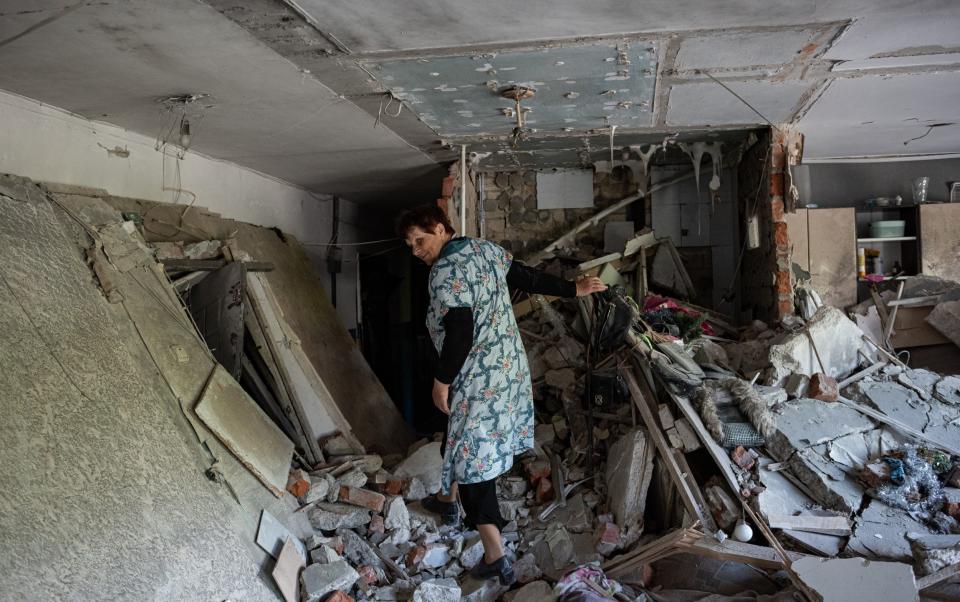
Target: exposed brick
x: 743, y: 457
x: 537, y: 470
x: 544, y: 491
x: 362, y: 497
x: 780, y: 236
x: 415, y: 556
x: 785, y: 307
x: 823, y: 387
x: 338, y: 596
x: 447, y: 187
x: 778, y: 157
x: 783, y: 282
x: 776, y: 209
x: 776, y: 184
x: 298, y: 483
x: 394, y: 486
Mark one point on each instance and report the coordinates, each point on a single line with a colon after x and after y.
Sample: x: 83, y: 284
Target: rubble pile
x: 667, y: 438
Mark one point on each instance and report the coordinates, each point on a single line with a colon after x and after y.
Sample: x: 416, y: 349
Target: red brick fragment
x: 415, y: 556
x: 362, y: 497
x: 537, y: 470
x: 544, y: 491
x: 394, y: 486
x: 376, y: 524
x: 823, y: 387
x: 339, y: 596
x: 743, y: 457
x: 298, y: 483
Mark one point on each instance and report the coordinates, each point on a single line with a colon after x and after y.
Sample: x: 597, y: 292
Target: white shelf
x: 888, y: 239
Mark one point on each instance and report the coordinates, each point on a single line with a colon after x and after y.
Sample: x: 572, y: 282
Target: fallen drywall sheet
x: 857, y: 579
x: 306, y: 308
x: 104, y: 494
x: 246, y: 430
x: 320, y: 415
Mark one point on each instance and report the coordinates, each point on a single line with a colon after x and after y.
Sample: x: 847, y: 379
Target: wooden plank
x: 208, y: 265
x: 829, y: 525
x: 244, y: 429
x: 286, y: 573
x: 754, y: 555
x: 676, y: 474
x: 914, y: 301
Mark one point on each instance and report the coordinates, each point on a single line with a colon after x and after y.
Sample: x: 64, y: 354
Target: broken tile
x: 286, y: 573
x: 318, y: 580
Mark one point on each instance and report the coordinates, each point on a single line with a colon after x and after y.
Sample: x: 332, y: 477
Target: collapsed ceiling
x: 366, y: 99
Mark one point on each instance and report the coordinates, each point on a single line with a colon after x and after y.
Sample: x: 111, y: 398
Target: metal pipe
x: 463, y: 190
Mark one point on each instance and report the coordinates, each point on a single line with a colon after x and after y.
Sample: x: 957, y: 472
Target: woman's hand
x: 441, y: 392
x: 589, y: 285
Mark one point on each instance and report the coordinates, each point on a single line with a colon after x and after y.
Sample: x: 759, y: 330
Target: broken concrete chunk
x: 437, y: 590
x: 426, y: 465
x: 947, y: 390
x: 796, y: 385
x: 554, y: 358
x: 527, y: 569
x: 511, y: 488
x: 395, y: 514
x: 837, y: 339
x: 324, y: 555
x: 934, y: 552
x: 358, y: 551
x: 687, y: 435
x: 354, y: 478
x: 330, y: 517
x: 436, y: 556
x: 666, y: 416
x: 857, y: 579
x: 880, y: 533
x: 536, y: 591
x: 318, y: 580
x: 803, y: 423
x: 564, y: 378
x: 472, y: 552
x: 628, y: 474
x: 319, y: 488
x: 474, y: 590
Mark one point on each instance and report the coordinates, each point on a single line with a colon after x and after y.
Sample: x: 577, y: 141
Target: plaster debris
x: 318, y: 580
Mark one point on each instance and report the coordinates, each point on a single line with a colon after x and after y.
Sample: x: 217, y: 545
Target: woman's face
x: 426, y: 244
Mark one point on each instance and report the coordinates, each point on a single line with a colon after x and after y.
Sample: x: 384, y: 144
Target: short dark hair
x: 425, y: 217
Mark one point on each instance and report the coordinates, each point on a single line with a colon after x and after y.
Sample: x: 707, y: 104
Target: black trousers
x: 479, y: 500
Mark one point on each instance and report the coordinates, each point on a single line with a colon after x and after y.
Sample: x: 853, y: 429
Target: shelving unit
x: 904, y: 250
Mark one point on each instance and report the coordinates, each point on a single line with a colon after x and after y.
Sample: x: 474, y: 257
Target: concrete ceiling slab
x: 742, y: 50
x: 884, y: 116
x: 911, y: 30
x: 708, y: 103
x: 111, y: 62
x: 577, y: 87
x: 367, y: 26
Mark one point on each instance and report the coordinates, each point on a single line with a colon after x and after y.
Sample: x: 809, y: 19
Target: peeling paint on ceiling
x: 577, y: 88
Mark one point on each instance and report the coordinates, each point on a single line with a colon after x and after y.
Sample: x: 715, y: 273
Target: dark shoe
x: 501, y: 569
x: 449, y: 511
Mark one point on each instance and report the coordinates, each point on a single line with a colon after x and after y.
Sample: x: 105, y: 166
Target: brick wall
x: 513, y: 220
x: 766, y: 288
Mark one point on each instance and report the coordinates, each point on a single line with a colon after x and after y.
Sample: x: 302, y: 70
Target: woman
x: 482, y: 381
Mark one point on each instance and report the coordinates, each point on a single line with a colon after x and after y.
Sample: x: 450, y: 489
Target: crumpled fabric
x: 573, y: 587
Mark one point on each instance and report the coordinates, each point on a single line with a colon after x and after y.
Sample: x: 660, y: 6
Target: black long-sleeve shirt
x: 458, y: 322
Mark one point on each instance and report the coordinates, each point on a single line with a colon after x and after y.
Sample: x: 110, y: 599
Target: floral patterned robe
x: 491, y: 400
